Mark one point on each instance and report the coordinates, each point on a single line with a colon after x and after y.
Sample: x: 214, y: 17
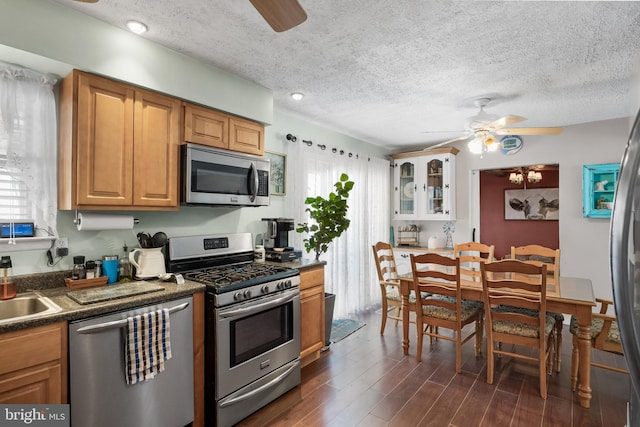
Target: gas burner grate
x: 229, y: 275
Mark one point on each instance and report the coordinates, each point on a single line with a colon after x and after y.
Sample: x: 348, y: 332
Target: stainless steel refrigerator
x: 625, y: 264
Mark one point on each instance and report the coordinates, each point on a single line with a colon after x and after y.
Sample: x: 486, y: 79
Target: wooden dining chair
x: 604, y: 336
x: 389, y: 284
x: 471, y: 254
x: 538, y: 255
x: 515, y: 305
x: 439, y: 303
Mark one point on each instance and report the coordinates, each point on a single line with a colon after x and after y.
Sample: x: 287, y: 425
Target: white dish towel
x: 148, y: 345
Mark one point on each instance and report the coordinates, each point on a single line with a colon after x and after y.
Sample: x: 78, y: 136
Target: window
x: 27, y: 148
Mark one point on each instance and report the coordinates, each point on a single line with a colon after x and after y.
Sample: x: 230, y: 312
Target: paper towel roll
x: 94, y: 221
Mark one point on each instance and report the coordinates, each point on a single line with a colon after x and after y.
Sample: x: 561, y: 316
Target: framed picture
x: 278, y: 172
x: 532, y: 204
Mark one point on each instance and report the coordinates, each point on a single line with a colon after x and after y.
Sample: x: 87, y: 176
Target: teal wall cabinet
x: 598, y: 189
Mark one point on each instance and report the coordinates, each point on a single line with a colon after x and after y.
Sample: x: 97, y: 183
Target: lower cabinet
x: 33, y: 365
x: 311, y: 313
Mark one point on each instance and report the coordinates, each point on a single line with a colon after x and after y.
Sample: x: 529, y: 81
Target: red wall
x: 495, y: 230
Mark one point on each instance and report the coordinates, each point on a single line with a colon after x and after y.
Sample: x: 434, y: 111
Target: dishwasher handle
x: 100, y: 327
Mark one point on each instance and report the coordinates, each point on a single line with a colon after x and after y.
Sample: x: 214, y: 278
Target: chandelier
x: 517, y: 177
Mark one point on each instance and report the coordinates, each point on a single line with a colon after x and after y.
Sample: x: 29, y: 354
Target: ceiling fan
x: 484, y: 127
x: 281, y: 15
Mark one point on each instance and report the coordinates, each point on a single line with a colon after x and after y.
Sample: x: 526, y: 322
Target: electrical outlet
x: 62, y: 246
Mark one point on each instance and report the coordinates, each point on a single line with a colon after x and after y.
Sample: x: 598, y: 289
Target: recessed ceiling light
x: 136, y: 27
x: 297, y: 95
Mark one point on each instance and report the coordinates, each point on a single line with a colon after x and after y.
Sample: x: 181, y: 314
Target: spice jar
x: 78, y: 272
x: 90, y: 266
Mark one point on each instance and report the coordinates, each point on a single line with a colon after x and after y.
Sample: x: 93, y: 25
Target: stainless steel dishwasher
x: 99, y: 394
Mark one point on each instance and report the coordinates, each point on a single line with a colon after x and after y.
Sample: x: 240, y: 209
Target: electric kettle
x: 149, y: 262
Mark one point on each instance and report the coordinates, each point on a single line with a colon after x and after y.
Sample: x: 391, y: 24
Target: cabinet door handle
x: 446, y: 186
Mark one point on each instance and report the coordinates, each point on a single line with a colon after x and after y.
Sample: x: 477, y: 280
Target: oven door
x: 216, y: 177
x: 255, y: 338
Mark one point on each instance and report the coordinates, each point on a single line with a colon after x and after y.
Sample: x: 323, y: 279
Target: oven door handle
x: 258, y: 307
x: 274, y: 382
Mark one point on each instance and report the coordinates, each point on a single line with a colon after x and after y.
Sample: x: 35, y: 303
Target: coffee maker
x: 276, y: 240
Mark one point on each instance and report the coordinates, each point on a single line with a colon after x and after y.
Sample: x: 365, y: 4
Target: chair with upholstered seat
x: 439, y: 303
x: 604, y: 336
x: 538, y: 255
x: 516, y: 313
x: 389, y: 284
x: 471, y: 254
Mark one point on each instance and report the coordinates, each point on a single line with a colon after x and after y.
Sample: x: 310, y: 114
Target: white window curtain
x: 350, y: 272
x: 28, y: 126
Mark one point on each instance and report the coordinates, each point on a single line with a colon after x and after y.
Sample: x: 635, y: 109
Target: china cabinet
x: 424, y: 185
x: 598, y: 187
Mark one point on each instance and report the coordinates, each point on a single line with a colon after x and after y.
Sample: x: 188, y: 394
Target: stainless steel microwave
x: 219, y: 177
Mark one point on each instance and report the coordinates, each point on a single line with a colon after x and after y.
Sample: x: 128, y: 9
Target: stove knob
x: 247, y: 294
x: 237, y: 296
x: 265, y: 289
x: 288, y: 283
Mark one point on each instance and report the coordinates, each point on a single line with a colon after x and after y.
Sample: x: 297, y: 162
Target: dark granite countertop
x: 71, y: 310
x: 300, y: 264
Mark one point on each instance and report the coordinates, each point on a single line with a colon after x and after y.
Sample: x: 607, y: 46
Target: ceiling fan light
x: 136, y: 27
x: 476, y: 146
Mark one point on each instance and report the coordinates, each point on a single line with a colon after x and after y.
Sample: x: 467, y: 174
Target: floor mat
x: 342, y: 328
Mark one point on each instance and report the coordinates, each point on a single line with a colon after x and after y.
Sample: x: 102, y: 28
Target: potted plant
x: 329, y: 222
x: 329, y: 217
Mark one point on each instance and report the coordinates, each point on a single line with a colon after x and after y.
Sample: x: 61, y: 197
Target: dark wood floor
x: 364, y: 380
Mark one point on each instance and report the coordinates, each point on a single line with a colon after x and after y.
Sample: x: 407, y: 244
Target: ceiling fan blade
x: 460, y: 138
x: 504, y: 122
x: 281, y: 15
x: 528, y: 131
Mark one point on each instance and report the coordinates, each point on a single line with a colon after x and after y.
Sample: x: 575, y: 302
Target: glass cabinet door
x: 435, y: 187
x: 405, y: 203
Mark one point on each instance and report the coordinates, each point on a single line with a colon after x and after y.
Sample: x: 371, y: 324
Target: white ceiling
x: 386, y: 72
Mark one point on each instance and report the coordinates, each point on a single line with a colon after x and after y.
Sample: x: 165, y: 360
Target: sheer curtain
x: 28, y: 126
x: 350, y: 272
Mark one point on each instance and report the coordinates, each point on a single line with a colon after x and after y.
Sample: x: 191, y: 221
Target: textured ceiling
x: 387, y: 72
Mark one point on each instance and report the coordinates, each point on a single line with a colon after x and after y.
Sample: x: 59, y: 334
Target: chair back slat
x: 537, y: 255
x: 471, y: 254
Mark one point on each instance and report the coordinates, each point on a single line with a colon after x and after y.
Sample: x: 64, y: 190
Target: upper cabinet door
x: 405, y: 189
x: 155, y: 152
x: 104, y: 142
x: 246, y: 136
x: 205, y: 126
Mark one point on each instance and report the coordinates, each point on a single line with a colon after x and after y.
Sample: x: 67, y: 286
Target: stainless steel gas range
x: 252, y: 327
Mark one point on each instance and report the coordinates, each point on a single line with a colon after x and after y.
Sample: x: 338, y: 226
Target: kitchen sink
x: 26, y: 306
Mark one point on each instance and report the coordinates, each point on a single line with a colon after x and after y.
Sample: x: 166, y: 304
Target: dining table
x: 567, y: 295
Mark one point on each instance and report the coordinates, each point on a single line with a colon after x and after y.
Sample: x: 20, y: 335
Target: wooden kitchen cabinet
x: 246, y: 136
x: 205, y: 126
x: 311, y: 313
x: 33, y: 365
x: 219, y: 130
x: 424, y: 185
x: 118, y: 146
